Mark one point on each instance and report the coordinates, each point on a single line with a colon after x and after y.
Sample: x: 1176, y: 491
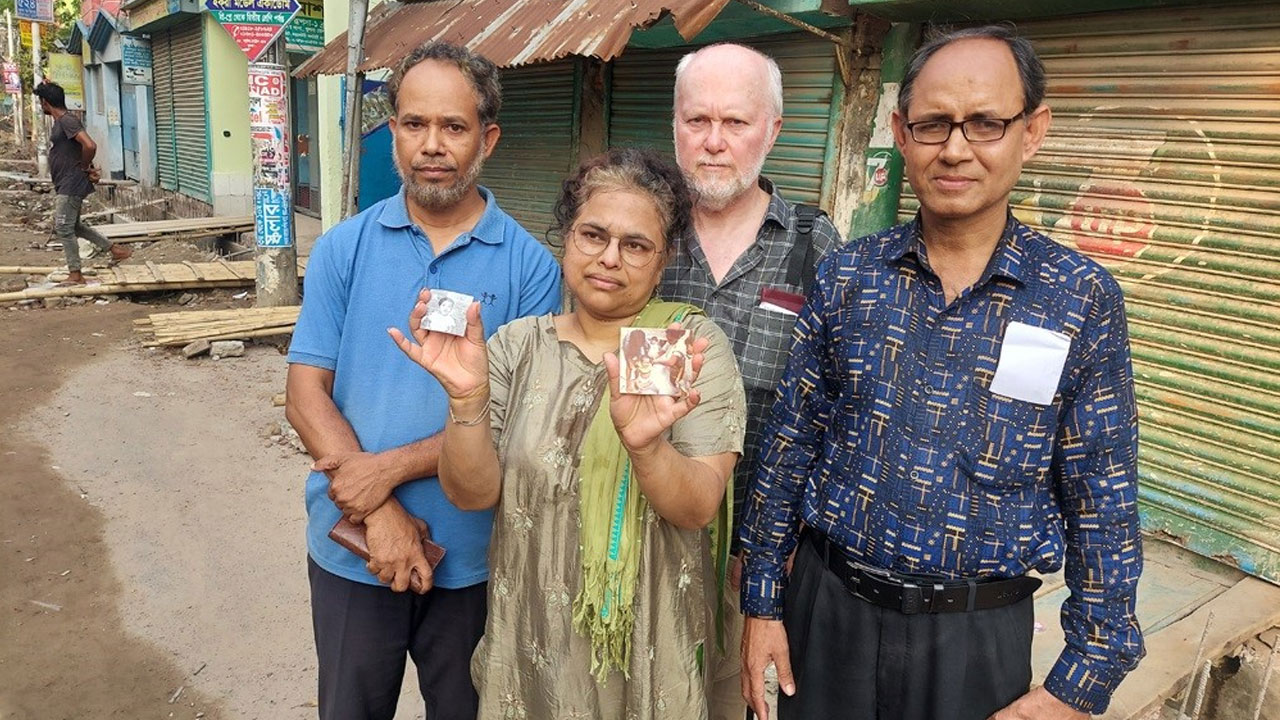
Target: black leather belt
x: 911, y: 595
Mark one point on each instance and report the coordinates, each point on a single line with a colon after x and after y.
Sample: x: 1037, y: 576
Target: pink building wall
x: 89, y: 9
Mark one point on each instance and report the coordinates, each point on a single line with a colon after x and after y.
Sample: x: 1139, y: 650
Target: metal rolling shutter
x: 538, y: 147
x: 1163, y: 163
x: 162, y: 77
x: 191, y: 140
x: 640, y: 110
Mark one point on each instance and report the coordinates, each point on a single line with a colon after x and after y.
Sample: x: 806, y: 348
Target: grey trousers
x: 67, y: 226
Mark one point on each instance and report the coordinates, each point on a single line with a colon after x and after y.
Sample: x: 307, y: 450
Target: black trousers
x: 363, y: 633
x: 857, y: 661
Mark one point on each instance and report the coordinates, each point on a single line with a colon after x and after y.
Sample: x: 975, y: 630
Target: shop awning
x: 510, y: 32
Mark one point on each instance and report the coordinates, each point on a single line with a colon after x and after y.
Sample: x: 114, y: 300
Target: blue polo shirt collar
x: 489, y: 229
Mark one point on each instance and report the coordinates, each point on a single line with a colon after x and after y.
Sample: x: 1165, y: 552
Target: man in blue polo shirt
x: 370, y: 417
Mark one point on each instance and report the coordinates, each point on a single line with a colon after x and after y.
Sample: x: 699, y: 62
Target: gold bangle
x: 471, y: 423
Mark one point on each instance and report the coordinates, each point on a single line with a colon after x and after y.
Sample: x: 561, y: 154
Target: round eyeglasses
x: 937, y: 132
x: 592, y: 240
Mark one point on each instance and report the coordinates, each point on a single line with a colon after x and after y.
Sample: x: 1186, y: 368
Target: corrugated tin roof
x: 510, y: 32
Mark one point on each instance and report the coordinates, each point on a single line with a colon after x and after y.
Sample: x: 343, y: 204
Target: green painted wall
x: 227, y: 103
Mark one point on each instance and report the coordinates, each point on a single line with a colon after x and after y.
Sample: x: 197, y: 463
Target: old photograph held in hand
x: 654, y: 362
x: 447, y: 312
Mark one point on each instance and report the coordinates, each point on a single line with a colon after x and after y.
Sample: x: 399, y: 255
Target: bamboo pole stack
x: 180, y: 328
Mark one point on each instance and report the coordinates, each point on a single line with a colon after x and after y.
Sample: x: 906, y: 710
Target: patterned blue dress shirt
x: 887, y: 439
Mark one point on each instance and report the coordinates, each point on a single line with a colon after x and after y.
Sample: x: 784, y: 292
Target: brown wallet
x: 351, y: 536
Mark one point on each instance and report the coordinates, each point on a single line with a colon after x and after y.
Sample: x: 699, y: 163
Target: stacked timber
x: 181, y: 328
x: 185, y: 228
x: 153, y: 277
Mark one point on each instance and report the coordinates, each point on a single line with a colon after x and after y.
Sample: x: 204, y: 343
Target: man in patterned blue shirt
x: 957, y: 410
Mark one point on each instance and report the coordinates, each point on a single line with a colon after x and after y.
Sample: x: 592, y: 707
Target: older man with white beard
x: 748, y: 266
x: 373, y: 420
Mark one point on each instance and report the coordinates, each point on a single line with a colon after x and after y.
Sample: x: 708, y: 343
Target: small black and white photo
x: 447, y: 312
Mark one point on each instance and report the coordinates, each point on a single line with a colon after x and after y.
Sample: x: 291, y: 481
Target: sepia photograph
x: 654, y: 362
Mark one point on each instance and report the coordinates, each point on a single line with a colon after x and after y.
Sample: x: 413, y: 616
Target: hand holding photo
x: 654, y: 362
x: 447, y: 312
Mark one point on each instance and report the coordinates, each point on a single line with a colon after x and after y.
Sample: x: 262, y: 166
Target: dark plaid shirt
x: 761, y: 338
x: 888, y: 439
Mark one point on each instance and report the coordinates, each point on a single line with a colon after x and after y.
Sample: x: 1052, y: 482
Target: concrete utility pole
x: 358, y: 11
x: 17, y: 99
x: 37, y: 119
x: 269, y: 109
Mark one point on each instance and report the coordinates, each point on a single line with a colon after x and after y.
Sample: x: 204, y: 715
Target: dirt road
x: 65, y: 652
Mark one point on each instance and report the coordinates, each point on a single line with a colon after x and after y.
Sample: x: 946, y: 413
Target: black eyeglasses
x: 937, y: 132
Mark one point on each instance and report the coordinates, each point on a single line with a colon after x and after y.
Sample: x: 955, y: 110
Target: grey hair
x: 477, y: 69
x: 775, y: 74
x: 1030, y: 69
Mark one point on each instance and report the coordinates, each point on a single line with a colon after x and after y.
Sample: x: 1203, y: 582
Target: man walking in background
x: 71, y: 152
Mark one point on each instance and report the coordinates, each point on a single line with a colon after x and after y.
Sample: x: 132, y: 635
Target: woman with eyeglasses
x: 602, y: 567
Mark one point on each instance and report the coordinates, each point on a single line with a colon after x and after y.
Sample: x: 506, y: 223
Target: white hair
x: 775, y: 74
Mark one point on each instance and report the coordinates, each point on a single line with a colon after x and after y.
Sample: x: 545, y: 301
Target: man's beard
x: 716, y: 194
x: 431, y: 196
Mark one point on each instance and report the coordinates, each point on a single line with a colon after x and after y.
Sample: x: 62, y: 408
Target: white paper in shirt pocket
x: 778, y: 309
x: 1031, y: 362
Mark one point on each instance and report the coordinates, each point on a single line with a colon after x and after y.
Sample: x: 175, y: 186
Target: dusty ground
x: 70, y: 657
x: 151, y: 533
x: 149, y: 478
x: 203, y: 516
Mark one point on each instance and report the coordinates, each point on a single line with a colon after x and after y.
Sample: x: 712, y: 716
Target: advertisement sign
x: 272, y: 217
x: 135, y: 60
x: 68, y: 71
x: 12, y: 80
x: 24, y: 32
x: 37, y: 10
x: 305, y: 32
x: 253, y: 24
x: 269, y: 139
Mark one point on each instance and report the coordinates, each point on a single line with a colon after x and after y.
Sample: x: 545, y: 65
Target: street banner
x: 36, y: 10
x: 305, y: 32
x: 269, y: 139
x: 135, y: 60
x: 12, y: 80
x: 68, y: 71
x: 253, y: 24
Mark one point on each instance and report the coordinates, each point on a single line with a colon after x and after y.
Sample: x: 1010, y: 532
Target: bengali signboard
x: 135, y: 60
x: 269, y: 138
x: 305, y: 32
x: 68, y: 71
x: 12, y: 79
x: 35, y: 10
x: 253, y: 24
x: 24, y: 32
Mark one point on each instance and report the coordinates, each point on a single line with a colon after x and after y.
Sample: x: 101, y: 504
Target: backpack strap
x: 801, y: 258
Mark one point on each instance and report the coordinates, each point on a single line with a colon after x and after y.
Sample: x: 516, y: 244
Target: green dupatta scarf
x: 612, y: 515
